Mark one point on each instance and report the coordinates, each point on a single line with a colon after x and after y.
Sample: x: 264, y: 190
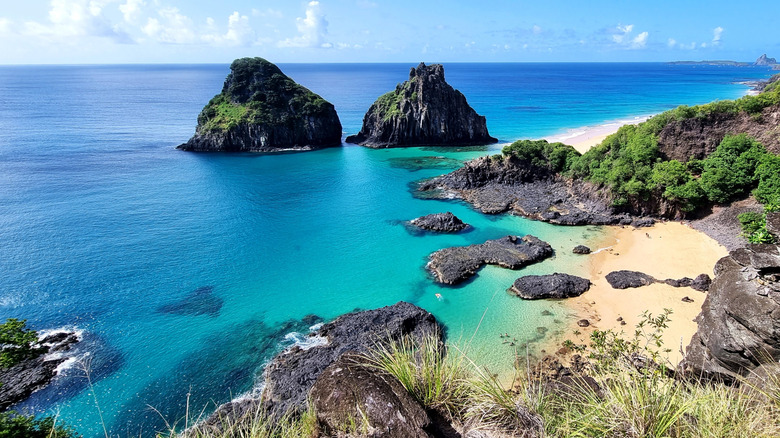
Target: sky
x: 218, y: 31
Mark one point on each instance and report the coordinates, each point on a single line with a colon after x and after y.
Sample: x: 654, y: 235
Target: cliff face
x: 763, y: 60
x: 424, y: 110
x: 699, y: 136
x: 260, y: 109
x: 739, y: 324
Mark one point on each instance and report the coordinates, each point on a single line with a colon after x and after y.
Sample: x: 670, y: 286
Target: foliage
x: 754, y: 226
x: 731, y: 170
x: 768, y: 176
x: 17, y: 343
x: 557, y: 157
x: 388, y: 105
x: 13, y: 425
x: 253, y: 424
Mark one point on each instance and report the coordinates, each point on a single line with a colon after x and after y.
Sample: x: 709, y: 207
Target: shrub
x: 557, y: 157
x: 731, y: 170
x: 768, y: 176
x: 13, y: 425
x: 17, y: 343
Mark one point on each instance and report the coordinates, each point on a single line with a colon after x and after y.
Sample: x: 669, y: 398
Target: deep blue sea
x: 187, y: 271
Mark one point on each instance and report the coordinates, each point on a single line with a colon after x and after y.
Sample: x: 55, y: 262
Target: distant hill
x: 762, y: 60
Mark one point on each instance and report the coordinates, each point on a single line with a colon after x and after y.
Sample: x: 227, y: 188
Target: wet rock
x: 581, y: 249
x: 34, y: 373
x: 423, y: 111
x: 739, y: 324
x: 453, y: 265
x: 624, y: 279
x: 350, y: 391
x: 535, y: 287
x: 440, y: 222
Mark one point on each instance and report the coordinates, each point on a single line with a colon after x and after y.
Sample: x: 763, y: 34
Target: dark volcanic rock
x: 32, y: 374
x: 425, y: 110
x: 496, y: 185
x: 441, y: 222
x: 350, y: 391
x: 536, y: 287
x: 625, y: 279
x: 683, y: 282
x: 260, y: 109
x: 701, y: 283
x: 773, y: 223
x: 201, y: 301
x: 291, y: 374
x: 739, y: 324
x: 581, y: 249
x: 453, y: 265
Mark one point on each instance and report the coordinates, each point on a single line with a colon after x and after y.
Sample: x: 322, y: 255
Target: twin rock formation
x: 260, y: 109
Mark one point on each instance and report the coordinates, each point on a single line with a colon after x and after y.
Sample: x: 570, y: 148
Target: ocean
x: 186, y: 272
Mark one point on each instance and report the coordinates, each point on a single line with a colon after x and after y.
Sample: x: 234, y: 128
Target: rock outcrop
x: 290, y: 375
x: 739, y: 324
x: 425, y: 110
x: 764, y: 60
x: 440, y: 222
x: 506, y: 183
x: 260, y: 109
x: 581, y: 249
x: 32, y: 374
x: 626, y: 279
x: 350, y: 391
x: 537, y: 287
x: 456, y: 264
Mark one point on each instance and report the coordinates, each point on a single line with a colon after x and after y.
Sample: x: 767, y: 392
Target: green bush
x: 557, y: 157
x: 13, y: 425
x: 731, y: 170
x: 17, y: 343
x: 768, y: 176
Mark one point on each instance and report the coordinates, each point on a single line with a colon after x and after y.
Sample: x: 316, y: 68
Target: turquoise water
x: 104, y: 225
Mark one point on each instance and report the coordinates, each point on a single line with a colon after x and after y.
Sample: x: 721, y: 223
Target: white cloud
x: 76, y: 18
x: 623, y: 32
x: 672, y: 42
x: 716, y: 33
x: 239, y: 32
x: 640, y: 41
x: 172, y: 27
x: 131, y: 10
x: 312, y: 28
x: 5, y: 25
x: 537, y: 30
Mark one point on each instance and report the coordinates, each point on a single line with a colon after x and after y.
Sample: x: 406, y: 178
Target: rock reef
x: 260, y: 109
x: 631, y: 279
x: 739, y: 324
x: 505, y: 183
x: 423, y: 111
x: 537, y: 287
x: 456, y: 264
x: 440, y: 222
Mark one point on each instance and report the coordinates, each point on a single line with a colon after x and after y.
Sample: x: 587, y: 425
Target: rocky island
x: 423, y: 111
x: 260, y: 109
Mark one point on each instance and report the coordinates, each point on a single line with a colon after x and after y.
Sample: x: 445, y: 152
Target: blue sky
x: 208, y: 31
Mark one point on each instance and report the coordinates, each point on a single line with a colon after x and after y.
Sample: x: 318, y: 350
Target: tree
x: 17, y: 343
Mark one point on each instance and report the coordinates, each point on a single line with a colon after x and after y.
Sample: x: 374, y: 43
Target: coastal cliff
x: 260, y: 109
x: 424, y: 110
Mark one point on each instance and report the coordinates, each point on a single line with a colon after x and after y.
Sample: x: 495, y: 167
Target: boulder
x: 424, y: 110
x: 773, y: 224
x: 701, y: 283
x: 581, y: 249
x: 291, y: 374
x: 739, y: 324
x: 456, y: 264
x: 535, y: 287
x: 348, y: 392
x: 624, y: 279
x: 440, y: 222
x: 260, y: 109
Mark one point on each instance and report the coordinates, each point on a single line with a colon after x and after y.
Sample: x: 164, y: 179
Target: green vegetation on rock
x: 257, y: 92
x: 557, y: 157
x: 13, y: 425
x: 17, y: 343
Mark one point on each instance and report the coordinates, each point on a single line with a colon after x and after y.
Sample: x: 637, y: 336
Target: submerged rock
x: 441, y: 222
x: 739, y: 323
x: 32, y: 374
x: 624, y: 279
x: 201, y: 301
x: 260, y: 109
x: 424, y: 110
x: 537, y: 287
x: 453, y: 265
x: 292, y: 373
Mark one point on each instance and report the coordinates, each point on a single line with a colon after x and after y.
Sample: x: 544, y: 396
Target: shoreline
x: 585, y: 137
x: 651, y: 250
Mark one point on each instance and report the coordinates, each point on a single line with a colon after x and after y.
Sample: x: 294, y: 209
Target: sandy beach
x: 586, y: 137
x: 666, y: 250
